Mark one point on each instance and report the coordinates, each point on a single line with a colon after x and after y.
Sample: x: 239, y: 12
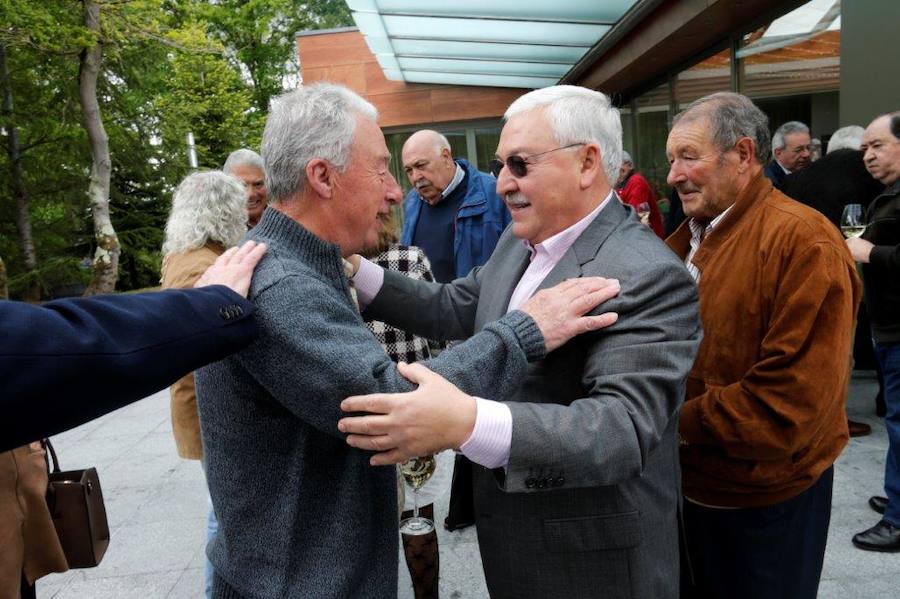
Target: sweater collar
x: 287, y: 236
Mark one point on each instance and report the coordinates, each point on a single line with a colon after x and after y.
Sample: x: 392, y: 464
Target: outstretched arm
x: 67, y: 362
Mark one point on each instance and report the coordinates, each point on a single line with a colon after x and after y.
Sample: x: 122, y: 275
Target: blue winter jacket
x: 481, y: 219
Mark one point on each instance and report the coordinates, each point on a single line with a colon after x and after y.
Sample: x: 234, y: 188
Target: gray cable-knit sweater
x: 302, y: 514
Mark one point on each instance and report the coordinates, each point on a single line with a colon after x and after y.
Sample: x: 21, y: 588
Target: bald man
x: 453, y: 211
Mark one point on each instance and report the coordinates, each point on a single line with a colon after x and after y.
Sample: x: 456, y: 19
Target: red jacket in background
x: 635, y: 192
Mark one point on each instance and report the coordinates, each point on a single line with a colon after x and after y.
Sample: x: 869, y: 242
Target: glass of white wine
x: 643, y: 211
x: 416, y: 472
x: 852, y: 223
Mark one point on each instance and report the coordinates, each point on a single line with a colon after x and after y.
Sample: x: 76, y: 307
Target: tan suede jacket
x: 764, y: 413
x: 181, y: 271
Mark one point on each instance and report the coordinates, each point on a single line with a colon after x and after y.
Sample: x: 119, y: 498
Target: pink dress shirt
x: 492, y: 436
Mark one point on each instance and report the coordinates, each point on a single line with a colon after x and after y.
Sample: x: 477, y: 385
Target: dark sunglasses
x: 518, y: 165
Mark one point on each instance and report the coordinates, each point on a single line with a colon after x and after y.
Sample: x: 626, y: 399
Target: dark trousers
x: 774, y: 552
x: 889, y: 358
x: 461, y: 511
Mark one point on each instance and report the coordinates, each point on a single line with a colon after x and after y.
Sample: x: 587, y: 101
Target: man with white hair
x: 577, y: 482
x: 791, y: 151
x: 452, y: 212
x: 846, y: 138
x: 247, y: 166
x: 300, y: 513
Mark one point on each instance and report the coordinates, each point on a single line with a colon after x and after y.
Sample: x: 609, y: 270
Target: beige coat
x: 28, y: 541
x: 180, y: 271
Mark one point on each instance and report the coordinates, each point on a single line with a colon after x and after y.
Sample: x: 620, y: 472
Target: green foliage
x: 206, y: 96
x: 260, y: 35
x: 169, y: 67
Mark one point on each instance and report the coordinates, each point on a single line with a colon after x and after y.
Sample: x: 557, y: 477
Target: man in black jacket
x: 878, y: 249
x: 790, y: 150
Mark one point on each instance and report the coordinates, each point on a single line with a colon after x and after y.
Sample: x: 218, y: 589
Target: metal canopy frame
x: 504, y: 43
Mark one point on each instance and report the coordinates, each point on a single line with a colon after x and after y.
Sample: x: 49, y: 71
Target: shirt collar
x: 454, y: 182
x: 699, y: 231
x: 557, y: 245
x: 781, y: 166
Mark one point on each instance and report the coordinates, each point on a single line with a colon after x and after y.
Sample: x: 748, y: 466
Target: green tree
x: 166, y: 67
x: 260, y: 36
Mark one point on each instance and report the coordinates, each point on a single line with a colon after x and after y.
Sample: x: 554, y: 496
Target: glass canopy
x: 503, y: 43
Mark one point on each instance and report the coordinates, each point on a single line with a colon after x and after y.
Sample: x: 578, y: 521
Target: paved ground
x: 156, y: 505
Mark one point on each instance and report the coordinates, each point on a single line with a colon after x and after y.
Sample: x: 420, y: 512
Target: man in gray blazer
x: 578, y: 490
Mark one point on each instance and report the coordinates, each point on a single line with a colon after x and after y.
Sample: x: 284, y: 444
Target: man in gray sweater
x: 301, y: 514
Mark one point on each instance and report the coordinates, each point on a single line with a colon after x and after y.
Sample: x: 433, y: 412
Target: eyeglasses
x: 518, y: 165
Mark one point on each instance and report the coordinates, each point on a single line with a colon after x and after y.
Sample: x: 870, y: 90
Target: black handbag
x: 79, y: 515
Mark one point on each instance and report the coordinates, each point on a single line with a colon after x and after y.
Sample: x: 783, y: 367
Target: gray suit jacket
x: 588, y: 504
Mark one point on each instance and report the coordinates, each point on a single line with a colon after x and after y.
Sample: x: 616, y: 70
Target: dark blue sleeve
x: 66, y: 362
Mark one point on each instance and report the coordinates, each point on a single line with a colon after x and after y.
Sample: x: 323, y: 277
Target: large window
x: 651, y: 130
x: 706, y: 77
x: 790, y: 67
x: 798, y: 53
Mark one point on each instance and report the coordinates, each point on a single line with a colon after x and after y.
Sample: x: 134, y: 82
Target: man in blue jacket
x: 453, y: 211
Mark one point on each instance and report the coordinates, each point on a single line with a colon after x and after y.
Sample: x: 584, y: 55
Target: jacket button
x: 223, y: 312
x: 530, y: 482
x: 559, y: 481
x: 542, y: 483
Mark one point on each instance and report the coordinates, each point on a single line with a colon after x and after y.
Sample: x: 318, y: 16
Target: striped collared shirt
x: 699, y: 231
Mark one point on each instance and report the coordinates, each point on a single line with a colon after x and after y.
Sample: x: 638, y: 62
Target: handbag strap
x: 49, y: 447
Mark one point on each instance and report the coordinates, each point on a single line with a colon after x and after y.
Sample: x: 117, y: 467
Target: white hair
x: 242, y: 157
x: 785, y: 130
x: 578, y: 115
x: 626, y: 158
x: 208, y: 206
x: 313, y: 121
x: 846, y: 138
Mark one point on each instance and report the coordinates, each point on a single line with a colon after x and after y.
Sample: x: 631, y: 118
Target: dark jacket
x: 832, y: 182
x: 69, y: 361
x: 775, y: 173
x: 881, y: 275
x: 481, y: 219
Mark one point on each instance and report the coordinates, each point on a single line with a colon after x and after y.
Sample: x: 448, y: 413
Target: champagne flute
x: 416, y: 472
x: 852, y: 224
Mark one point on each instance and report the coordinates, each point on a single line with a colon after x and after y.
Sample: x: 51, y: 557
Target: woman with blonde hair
x: 209, y: 215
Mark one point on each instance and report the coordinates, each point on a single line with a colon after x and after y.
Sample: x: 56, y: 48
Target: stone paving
x: 156, y: 504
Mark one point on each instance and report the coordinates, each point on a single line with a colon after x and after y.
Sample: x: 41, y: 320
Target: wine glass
x: 643, y: 211
x: 852, y: 224
x: 416, y: 472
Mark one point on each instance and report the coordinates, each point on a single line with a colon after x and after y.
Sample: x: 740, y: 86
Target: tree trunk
x: 106, y: 257
x: 17, y: 183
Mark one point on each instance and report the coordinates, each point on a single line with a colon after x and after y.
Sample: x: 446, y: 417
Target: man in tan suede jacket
x: 763, y: 420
